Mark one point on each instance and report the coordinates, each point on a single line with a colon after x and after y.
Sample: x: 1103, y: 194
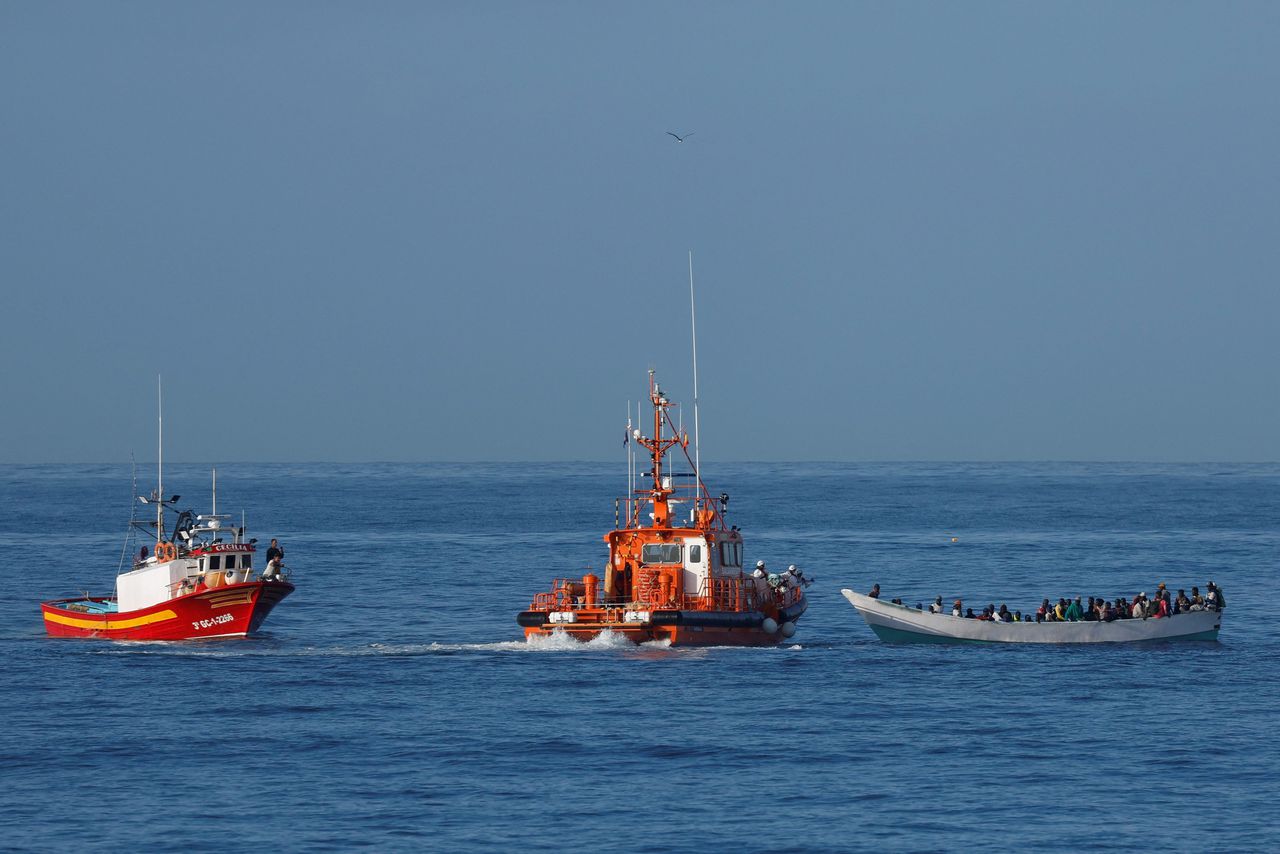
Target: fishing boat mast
x: 159, y: 459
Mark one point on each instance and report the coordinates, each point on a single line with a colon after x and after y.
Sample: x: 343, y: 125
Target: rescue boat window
x: 731, y: 554
x: 737, y: 554
x: 215, y: 562
x: 660, y: 553
x: 695, y: 554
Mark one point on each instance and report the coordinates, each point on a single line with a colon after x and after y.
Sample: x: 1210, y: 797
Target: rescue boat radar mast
x: 663, y: 488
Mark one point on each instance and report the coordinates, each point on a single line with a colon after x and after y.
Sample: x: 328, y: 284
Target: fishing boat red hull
x: 232, y: 610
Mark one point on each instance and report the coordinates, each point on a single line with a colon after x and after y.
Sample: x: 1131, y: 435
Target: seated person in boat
x: 875, y: 591
x: 936, y: 607
x: 1215, y: 601
x: 1182, y: 604
x: 1073, y: 611
x: 1043, y: 612
x: 969, y: 615
x: 1003, y: 614
x: 142, y: 556
x: 273, y: 569
x: 957, y: 609
x: 1197, y: 601
x: 1139, y: 610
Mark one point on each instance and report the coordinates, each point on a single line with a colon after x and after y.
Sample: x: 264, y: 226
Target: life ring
x: 166, y: 551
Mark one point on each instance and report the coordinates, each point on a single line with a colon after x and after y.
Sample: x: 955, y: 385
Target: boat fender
x: 769, y: 626
x: 532, y: 619
x: 788, y: 629
x: 792, y: 612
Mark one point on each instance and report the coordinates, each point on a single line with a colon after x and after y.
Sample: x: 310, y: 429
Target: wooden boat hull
x: 900, y: 624
x: 232, y: 610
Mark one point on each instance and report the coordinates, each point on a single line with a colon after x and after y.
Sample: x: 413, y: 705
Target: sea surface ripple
x: 391, y: 703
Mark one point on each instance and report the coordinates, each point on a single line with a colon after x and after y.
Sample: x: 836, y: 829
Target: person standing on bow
x: 274, y: 551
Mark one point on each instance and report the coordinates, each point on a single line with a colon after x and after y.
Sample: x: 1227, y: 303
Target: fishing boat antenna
x: 215, y: 492
x: 697, y: 457
x: 159, y: 459
x: 133, y: 514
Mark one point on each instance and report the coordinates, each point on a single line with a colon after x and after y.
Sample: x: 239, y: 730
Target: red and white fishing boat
x: 197, y: 582
x: 675, y: 568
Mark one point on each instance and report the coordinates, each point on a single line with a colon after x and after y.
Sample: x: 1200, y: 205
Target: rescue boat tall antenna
x: 697, y: 457
x: 626, y: 444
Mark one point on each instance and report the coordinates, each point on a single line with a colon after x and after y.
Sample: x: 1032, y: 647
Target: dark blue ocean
x: 391, y: 703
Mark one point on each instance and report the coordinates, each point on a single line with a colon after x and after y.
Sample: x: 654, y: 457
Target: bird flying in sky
x: 680, y: 138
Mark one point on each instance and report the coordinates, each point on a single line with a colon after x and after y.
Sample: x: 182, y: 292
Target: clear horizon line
x: 569, y: 461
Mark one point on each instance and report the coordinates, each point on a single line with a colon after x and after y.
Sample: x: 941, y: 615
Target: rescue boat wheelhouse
x: 679, y: 580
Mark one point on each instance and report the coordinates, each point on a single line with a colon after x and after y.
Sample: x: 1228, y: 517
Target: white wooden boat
x: 901, y: 624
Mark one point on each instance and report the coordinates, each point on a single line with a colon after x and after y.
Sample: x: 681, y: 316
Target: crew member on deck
x: 274, y: 551
x: 875, y: 591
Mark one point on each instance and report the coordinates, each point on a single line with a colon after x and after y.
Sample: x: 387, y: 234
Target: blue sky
x: 458, y: 231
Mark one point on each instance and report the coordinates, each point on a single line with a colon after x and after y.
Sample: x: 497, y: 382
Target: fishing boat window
x: 215, y: 562
x: 695, y: 554
x: 660, y: 553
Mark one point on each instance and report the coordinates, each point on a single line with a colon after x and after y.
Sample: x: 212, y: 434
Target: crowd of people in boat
x: 1097, y: 609
x: 782, y: 584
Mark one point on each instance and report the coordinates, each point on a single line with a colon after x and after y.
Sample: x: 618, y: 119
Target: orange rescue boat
x: 672, y: 579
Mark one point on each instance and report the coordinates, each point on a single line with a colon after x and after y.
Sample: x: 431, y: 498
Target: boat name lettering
x: 212, y: 621
x: 561, y: 617
x: 635, y: 617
